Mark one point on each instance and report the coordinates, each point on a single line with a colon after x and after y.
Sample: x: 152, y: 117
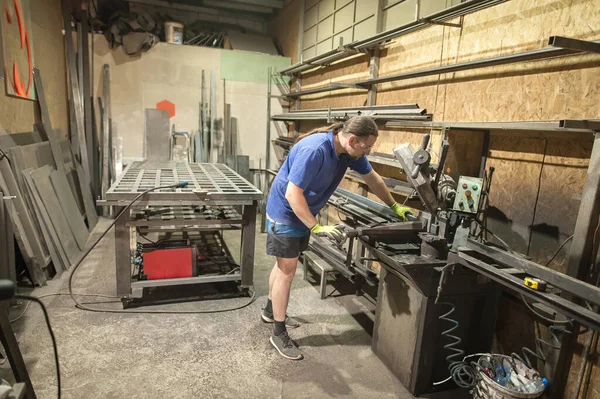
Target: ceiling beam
x: 237, y: 6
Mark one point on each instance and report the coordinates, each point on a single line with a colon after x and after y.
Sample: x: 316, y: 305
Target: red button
x: 465, y: 185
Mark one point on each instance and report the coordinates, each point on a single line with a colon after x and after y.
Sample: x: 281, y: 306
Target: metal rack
x: 539, y: 54
x: 205, y: 204
x: 377, y: 112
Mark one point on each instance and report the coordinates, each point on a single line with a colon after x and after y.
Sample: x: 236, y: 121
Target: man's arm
x: 295, y: 196
x: 377, y: 185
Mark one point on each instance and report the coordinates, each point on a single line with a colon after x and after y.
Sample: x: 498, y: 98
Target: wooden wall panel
x: 518, y: 163
x: 563, y: 177
x: 353, y: 69
x: 464, y: 155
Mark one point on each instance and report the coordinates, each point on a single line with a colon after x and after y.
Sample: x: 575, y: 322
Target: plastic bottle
x: 535, y: 386
x: 502, y: 375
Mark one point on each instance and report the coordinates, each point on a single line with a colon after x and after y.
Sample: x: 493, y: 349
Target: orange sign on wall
x: 16, y: 43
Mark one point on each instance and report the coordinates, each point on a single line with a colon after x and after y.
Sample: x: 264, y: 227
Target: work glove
x: 401, y: 211
x: 331, y: 232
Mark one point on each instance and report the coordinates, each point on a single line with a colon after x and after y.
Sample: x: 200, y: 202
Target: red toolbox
x: 170, y: 263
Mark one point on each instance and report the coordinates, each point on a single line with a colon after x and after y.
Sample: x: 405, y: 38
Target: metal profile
x: 574, y: 44
x: 361, y: 46
x: 566, y: 125
x: 469, y: 65
x: 331, y: 87
x: 320, y: 60
x: 441, y: 16
x: 385, y: 112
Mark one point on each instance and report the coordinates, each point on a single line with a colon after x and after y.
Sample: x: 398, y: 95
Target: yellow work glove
x: 401, y: 211
x: 330, y: 232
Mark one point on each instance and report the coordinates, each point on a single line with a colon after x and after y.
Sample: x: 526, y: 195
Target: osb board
x: 417, y: 51
x: 537, y: 90
x: 350, y: 70
x: 517, y: 162
x: 593, y: 391
x: 464, y: 155
x: 515, y: 327
x: 563, y: 177
x: 555, y: 89
x: 285, y: 27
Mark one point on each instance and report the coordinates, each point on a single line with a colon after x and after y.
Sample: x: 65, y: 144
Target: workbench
x: 210, y: 185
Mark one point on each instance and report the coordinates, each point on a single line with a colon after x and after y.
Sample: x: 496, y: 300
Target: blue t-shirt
x: 314, y: 166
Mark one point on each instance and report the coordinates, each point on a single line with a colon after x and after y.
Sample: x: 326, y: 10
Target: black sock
x: 269, y: 307
x: 279, y: 327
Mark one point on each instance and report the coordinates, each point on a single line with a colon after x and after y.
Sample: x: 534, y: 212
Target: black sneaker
x: 286, y: 348
x: 289, y: 322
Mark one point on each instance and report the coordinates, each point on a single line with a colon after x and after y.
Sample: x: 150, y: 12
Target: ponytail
x: 361, y: 126
x: 335, y: 128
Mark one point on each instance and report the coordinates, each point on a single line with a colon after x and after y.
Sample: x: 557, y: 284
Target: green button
x: 474, y: 187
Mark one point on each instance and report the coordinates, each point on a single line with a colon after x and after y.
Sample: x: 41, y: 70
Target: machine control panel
x: 468, y: 194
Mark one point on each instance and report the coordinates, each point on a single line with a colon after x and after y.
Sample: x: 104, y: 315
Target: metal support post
x: 268, y: 148
x: 122, y: 254
x: 579, y: 264
x: 247, y: 253
x: 373, y: 73
x: 13, y: 353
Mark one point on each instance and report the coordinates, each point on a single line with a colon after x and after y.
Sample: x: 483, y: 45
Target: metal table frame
x: 209, y: 184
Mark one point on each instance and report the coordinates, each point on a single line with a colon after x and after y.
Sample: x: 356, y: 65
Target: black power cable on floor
x: 87, y: 252
x: 47, y: 318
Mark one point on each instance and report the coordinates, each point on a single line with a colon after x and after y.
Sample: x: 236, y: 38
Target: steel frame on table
x: 210, y: 185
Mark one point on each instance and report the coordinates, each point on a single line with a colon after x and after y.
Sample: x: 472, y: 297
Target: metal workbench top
x: 207, y: 181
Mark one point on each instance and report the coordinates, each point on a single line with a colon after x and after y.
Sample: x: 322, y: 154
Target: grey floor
x: 224, y: 355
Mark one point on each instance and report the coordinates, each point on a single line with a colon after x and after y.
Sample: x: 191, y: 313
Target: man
x: 310, y: 174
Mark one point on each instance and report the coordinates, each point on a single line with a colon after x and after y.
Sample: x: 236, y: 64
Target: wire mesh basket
x: 487, y: 388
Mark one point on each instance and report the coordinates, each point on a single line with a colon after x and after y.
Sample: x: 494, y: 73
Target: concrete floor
x: 223, y: 355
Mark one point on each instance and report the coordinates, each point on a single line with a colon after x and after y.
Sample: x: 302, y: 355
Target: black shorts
x: 285, y: 241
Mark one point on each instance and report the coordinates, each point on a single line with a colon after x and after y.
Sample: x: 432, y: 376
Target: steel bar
x: 584, y: 124
x: 581, y: 258
x: 213, y: 112
x: 185, y: 281
x: 532, y: 55
x: 458, y: 10
x: 564, y: 306
x: 574, y: 44
x: 268, y: 149
x: 247, y: 247
x: 75, y: 97
x: 320, y: 60
x: 105, y: 128
x: 85, y: 88
x: 389, y: 112
x: 566, y: 283
x: 331, y: 87
x: 122, y: 254
x: 13, y: 353
x: 353, y: 48
x: 575, y: 126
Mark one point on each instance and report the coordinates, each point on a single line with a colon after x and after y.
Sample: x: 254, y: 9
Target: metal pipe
x: 469, y: 65
x: 268, y: 149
